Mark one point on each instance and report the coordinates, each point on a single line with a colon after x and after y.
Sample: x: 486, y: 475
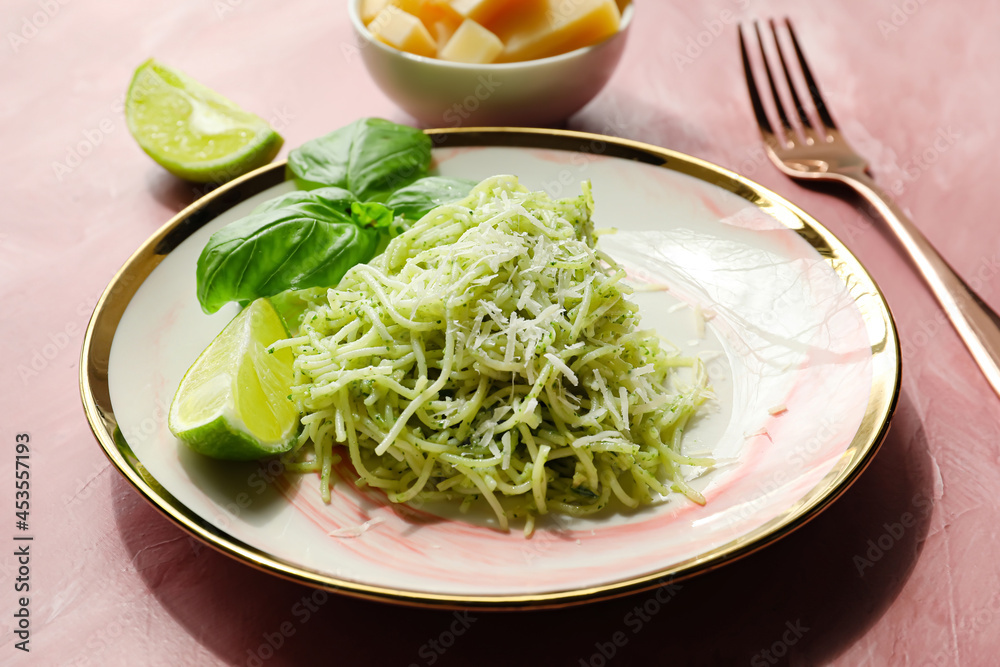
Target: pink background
x: 113, y: 583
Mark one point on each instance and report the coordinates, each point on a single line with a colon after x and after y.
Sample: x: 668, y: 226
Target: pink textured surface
x: 113, y: 583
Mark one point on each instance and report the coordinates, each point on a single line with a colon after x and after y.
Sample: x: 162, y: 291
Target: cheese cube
x: 430, y: 11
x: 371, y: 8
x: 442, y: 32
x: 485, y: 11
x: 437, y: 16
x: 403, y: 31
x: 552, y: 27
x: 472, y: 43
x: 409, y: 6
x: 440, y: 19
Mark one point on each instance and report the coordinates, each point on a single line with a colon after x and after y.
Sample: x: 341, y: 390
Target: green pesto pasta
x: 491, y: 352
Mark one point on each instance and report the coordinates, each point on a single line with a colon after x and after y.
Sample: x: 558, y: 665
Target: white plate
x: 800, y: 346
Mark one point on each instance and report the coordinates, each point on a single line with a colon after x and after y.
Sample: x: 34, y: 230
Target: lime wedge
x: 233, y: 403
x: 193, y: 132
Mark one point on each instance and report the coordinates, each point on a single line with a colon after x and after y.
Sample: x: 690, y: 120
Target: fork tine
x: 803, y: 116
x: 774, y: 88
x: 758, y: 107
x: 821, y: 110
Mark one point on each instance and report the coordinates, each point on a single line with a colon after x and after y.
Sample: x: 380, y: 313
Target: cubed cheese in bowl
x: 491, y: 62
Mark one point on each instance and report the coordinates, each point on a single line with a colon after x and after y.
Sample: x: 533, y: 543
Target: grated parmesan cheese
x: 491, y: 353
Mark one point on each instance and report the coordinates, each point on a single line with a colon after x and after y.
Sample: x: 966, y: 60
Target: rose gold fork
x: 805, y: 153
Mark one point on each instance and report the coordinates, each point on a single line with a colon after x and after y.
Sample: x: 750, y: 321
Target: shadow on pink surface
x: 804, y: 599
x: 174, y: 193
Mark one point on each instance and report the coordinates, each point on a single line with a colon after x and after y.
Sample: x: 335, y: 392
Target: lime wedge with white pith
x: 193, y: 132
x: 234, y: 402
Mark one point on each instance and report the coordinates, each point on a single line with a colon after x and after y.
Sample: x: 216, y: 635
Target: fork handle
x: 976, y: 323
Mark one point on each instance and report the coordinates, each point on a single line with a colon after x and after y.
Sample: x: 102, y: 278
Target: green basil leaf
x: 267, y: 253
x: 324, y: 203
x: 415, y: 200
x: 372, y: 214
x: 371, y: 157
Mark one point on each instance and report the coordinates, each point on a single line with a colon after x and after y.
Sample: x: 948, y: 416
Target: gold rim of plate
x: 886, y: 368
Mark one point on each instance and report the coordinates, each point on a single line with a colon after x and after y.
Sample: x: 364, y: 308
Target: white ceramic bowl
x: 439, y: 93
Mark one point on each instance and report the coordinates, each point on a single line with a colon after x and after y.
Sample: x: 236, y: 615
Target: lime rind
x: 218, y: 440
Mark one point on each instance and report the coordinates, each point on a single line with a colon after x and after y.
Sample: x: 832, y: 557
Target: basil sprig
x: 309, y: 238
